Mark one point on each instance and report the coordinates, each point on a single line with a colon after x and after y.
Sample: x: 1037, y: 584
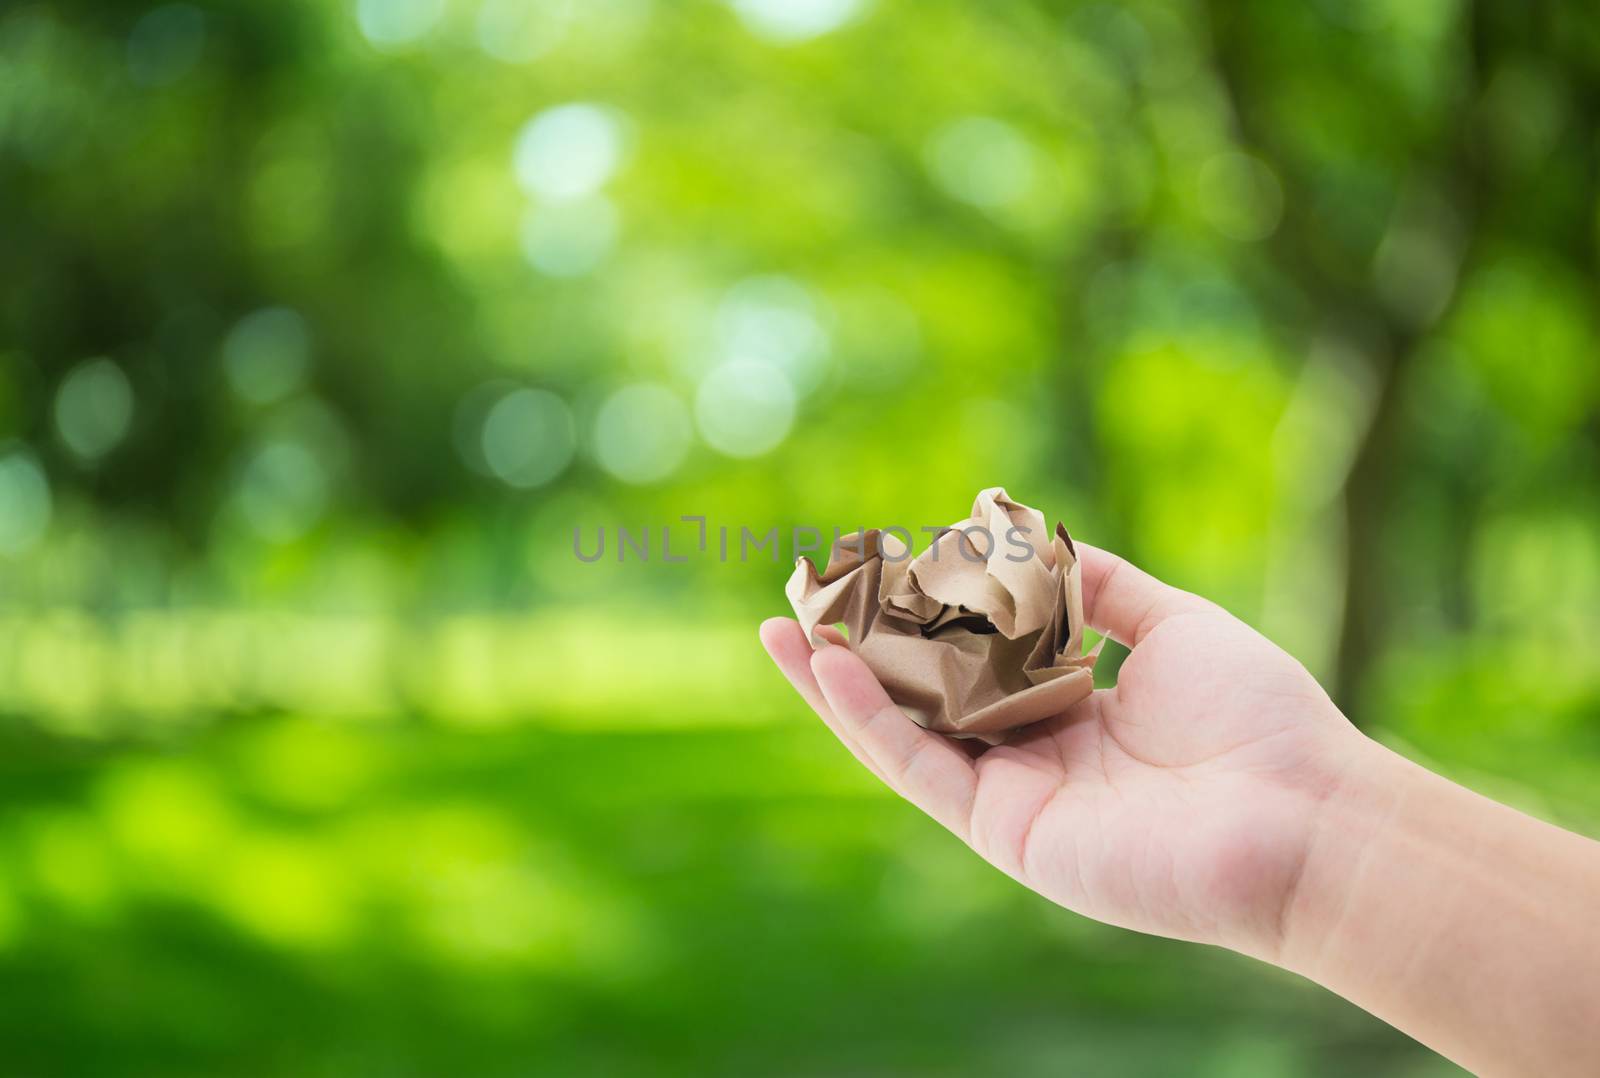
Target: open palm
x: 1181, y: 802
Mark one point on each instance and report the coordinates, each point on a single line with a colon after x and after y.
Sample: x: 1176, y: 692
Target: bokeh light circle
x: 744, y: 408
x: 1239, y: 196
x: 397, y: 22
x: 787, y: 21
x: 165, y: 44
x: 518, y: 31
x: 93, y: 408
x: 528, y: 437
x: 24, y: 500
x: 983, y: 161
x: 266, y: 354
x: 569, y: 239
x: 642, y: 433
x: 568, y: 151
x: 283, y: 491
x: 776, y: 320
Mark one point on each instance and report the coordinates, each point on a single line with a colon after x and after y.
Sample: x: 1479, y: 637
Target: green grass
x: 289, y: 896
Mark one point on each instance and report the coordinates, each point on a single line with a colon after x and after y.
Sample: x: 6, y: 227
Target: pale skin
x: 1216, y: 794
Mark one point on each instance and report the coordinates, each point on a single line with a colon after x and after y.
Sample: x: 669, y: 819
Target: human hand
x: 1183, y: 802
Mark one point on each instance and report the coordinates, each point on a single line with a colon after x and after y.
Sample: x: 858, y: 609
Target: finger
x: 1125, y: 602
x: 923, y: 767
x: 786, y: 642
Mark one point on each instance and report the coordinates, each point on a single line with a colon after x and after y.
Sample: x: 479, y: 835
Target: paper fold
x: 979, y: 634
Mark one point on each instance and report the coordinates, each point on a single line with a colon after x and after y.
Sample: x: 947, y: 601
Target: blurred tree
x: 323, y: 323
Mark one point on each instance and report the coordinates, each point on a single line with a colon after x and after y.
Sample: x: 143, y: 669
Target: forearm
x: 1472, y: 927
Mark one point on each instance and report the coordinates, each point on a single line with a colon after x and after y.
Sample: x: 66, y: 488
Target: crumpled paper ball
x: 979, y: 634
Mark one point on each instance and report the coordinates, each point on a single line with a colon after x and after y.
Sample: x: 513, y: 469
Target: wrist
x: 1352, y: 834
x: 1455, y: 919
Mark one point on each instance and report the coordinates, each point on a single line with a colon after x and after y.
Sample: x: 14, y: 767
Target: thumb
x: 1125, y: 602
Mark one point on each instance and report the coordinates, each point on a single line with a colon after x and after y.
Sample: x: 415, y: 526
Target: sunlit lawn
x: 282, y: 894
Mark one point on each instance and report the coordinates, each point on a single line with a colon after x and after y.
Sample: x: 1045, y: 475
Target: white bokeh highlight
x: 642, y: 433
x: 283, y: 490
x: 388, y: 23
x: 528, y: 438
x: 569, y: 239
x: 93, y: 409
x: 266, y: 354
x: 521, y: 31
x: 983, y: 161
x: 569, y: 151
x: 775, y: 320
x: 744, y: 408
x: 790, y: 21
x: 25, y: 503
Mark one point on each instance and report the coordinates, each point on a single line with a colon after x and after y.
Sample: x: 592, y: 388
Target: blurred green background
x: 323, y: 323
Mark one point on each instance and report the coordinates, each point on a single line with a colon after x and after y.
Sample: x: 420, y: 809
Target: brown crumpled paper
x: 974, y: 636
